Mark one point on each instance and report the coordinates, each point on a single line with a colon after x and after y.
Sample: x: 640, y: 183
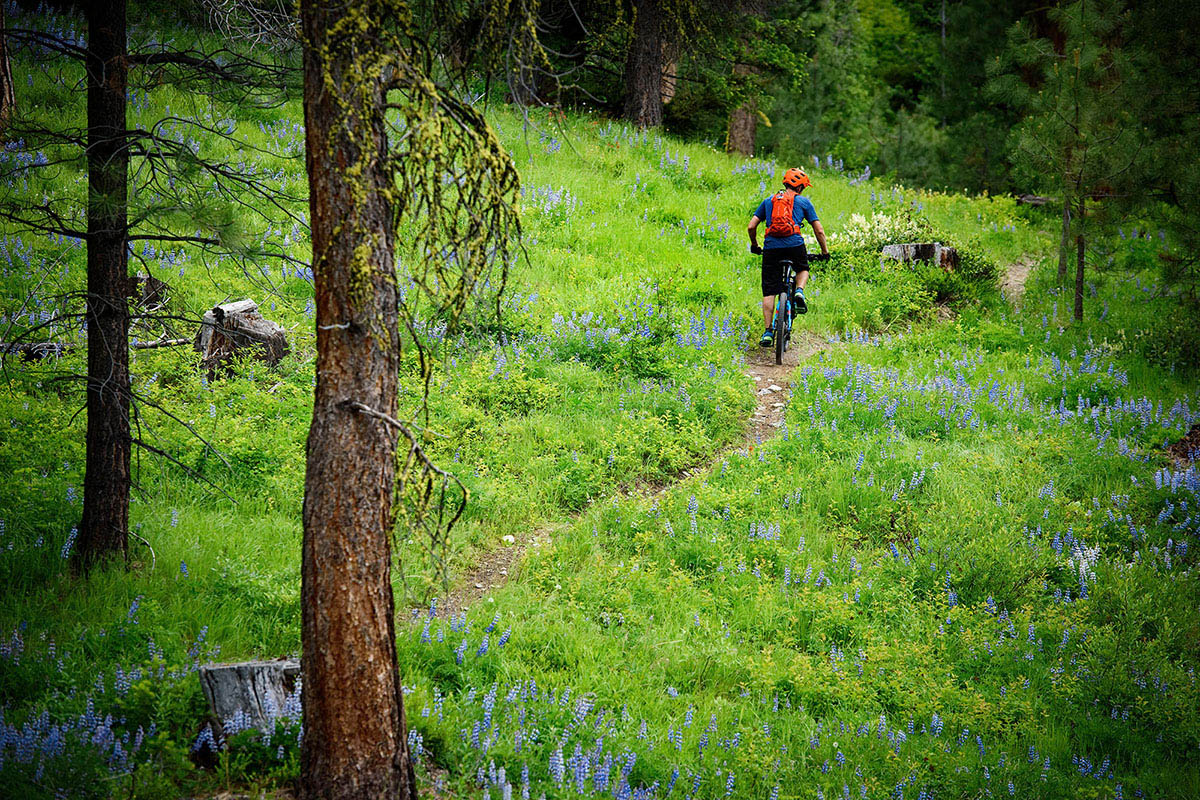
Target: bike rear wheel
x: 781, y: 325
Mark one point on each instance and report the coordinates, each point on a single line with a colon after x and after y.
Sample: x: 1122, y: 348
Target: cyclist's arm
x: 819, y: 232
x: 752, y: 229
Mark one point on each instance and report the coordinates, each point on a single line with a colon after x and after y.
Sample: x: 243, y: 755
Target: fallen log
x: 34, y: 351
x: 1034, y: 200
x: 236, y: 327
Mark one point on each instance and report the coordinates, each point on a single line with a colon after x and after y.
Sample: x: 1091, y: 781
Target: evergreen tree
x: 147, y: 186
x: 1163, y: 100
x: 1076, y: 137
x: 8, y: 98
x: 398, y: 164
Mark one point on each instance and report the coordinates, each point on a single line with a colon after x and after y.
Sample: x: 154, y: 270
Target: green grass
x: 680, y: 608
x: 767, y: 609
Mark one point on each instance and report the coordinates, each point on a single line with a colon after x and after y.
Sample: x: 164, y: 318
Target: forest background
x: 557, y: 407
x: 1062, y: 103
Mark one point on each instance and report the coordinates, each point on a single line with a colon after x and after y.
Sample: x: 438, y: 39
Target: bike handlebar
x: 814, y: 257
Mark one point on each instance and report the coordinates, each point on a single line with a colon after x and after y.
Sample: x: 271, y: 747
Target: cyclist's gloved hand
x: 756, y: 250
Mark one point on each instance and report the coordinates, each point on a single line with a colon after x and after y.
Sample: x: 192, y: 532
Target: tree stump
x: 235, y: 327
x: 944, y: 257
x: 908, y: 252
x: 250, y: 694
x: 150, y: 307
x: 150, y: 294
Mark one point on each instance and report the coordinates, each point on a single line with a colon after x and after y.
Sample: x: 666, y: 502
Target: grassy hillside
x: 963, y: 568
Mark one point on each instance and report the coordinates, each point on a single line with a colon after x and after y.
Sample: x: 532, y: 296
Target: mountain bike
x: 781, y: 323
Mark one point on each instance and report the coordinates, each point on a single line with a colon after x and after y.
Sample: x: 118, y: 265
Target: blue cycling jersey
x: 802, y: 209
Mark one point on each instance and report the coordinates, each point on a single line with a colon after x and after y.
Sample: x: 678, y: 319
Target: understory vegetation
x: 964, y: 567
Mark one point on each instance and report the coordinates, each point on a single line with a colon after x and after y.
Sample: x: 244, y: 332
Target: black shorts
x: 772, y: 273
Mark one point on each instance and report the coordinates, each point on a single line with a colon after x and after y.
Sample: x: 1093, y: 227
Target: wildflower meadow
x: 963, y: 565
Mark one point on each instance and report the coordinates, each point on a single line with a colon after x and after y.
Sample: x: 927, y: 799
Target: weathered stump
x: 250, y: 694
x: 150, y: 310
x: 150, y: 293
x: 236, y: 327
x: 944, y: 257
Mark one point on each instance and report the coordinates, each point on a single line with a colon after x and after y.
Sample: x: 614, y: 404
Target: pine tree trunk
x: 1064, y: 245
x: 104, y: 528
x: 743, y: 126
x: 1079, y: 263
x: 354, y: 728
x: 523, y: 86
x: 644, y: 66
x: 8, y: 98
x: 670, y: 71
x: 743, y: 122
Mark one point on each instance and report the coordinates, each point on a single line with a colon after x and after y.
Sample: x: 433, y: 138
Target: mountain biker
x: 784, y: 242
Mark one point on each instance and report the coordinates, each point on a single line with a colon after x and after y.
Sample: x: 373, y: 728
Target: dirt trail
x: 1012, y: 283
x: 1186, y: 450
x: 771, y: 380
x: 771, y: 386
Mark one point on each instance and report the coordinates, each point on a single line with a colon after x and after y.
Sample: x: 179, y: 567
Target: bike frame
x: 781, y: 323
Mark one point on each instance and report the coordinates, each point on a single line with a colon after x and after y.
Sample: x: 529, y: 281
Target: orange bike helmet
x: 796, y: 179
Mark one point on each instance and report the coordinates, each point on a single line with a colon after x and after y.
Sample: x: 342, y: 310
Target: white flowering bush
x: 873, y: 232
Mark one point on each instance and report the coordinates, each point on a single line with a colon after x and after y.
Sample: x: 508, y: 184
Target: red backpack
x: 782, y: 221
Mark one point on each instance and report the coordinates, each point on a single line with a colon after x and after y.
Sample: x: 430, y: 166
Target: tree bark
x: 743, y: 122
x: 354, y: 727
x: 1064, y: 245
x: 104, y: 528
x: 743, y: 127
x: 644, y: 66
x: 8, y: 98
x: 1079, y: 263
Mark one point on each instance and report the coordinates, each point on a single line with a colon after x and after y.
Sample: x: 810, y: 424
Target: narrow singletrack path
x: 772, y: 381
x: 1012, y: 283
x: 772, y: 390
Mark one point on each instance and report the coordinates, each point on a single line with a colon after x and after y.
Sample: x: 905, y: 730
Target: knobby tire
x: 781, y: 314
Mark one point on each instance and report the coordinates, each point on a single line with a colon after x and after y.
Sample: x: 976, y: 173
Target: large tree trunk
x: 354, y: 728
x: 644, y: 66
x: 104, y: 529
x: 1064, y: 245
x: 743, y: 122
x: 8, y: 98
x: 743, y: 126
x: 1079, y: 263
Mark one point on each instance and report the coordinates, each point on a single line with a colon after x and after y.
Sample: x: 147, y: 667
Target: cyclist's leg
x: 768, y: 309
x: 801, y: 267
x: 799, y: 277
x: 771, y: 286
